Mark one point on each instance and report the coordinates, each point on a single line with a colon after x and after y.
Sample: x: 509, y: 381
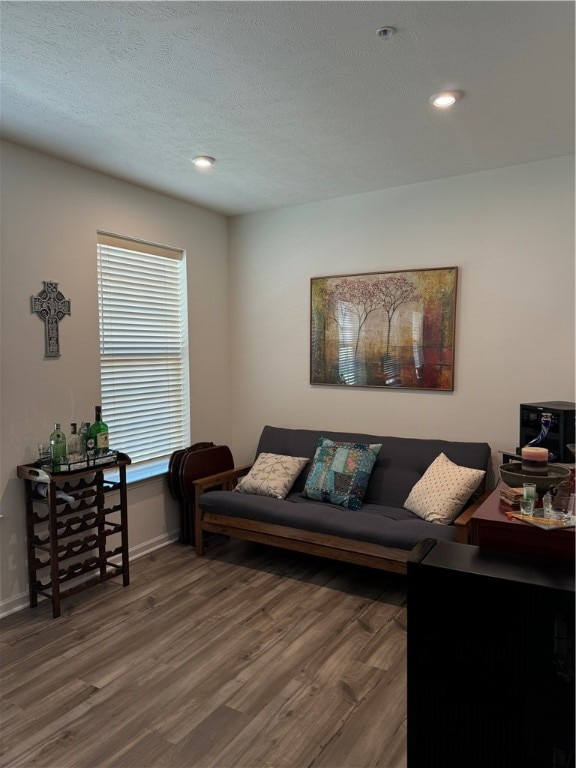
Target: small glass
x: 44, y: 456
x: 547, y: 506
x: 528, y: 501
x: 562, y: 501
x: 561, y: 510
x: 527, y: 507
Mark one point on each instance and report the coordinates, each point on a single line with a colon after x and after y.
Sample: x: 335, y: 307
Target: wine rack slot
x: 110, y: 510
x: 76, y: 532
x: 112, y: 528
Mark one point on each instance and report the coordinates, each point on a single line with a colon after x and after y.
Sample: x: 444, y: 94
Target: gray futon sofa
x: 382, y: 534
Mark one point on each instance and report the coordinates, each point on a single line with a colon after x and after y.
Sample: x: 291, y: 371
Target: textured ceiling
x: 298, y: 101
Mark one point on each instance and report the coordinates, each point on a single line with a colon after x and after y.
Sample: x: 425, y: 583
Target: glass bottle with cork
x: 83, y: 434
x: 97, y: 441
x: 73, y: 444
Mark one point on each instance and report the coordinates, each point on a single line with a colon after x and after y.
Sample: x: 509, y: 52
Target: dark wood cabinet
x: 77, y: 529
x: 490, y: 659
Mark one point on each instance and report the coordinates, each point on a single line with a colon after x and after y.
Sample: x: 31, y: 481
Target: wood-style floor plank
x: 248, y: 657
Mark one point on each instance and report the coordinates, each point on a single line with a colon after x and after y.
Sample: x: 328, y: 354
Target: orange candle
x: 534, y: 460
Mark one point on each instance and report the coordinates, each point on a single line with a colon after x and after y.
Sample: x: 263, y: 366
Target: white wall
x: 51, y: 211
x: 510, y: 232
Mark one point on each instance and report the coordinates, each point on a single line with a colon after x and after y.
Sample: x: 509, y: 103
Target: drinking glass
x: 44, y: 455
x: 527, y: 507
x: 547, y: 505
x: 528, y: 502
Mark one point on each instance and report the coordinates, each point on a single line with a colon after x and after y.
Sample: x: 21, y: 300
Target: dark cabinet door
x: 490, y: 660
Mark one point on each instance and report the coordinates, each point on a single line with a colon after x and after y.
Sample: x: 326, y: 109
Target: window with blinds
x: 142, y: 303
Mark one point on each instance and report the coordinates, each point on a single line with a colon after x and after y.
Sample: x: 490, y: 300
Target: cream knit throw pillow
x: 443, y: 490
x: 272, y: 475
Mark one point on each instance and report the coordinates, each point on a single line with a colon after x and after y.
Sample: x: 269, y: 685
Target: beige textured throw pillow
x: 443, y: 490
x: 272, y: 475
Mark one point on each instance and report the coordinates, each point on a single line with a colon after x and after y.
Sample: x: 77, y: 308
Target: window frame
x: 140, y: 315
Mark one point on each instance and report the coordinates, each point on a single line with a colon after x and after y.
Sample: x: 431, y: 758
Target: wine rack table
x: 69, y: 540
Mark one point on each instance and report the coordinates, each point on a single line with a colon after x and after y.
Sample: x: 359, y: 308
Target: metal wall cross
x: 51, y: 306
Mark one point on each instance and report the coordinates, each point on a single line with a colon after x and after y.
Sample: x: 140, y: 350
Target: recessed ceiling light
x: 203, y: 161
x: 445, y: 99
x: 386, y: 32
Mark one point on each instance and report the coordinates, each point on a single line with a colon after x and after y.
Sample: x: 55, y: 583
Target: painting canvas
x: 384, y: 329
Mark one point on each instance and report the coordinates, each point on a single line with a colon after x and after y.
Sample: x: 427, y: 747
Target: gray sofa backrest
x: 400, y: 464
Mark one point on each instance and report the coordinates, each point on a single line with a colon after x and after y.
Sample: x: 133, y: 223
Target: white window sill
x: 150, y: 470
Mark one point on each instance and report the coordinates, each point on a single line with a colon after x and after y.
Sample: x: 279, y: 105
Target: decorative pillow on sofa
x: 272, y: 475
x: 443, y: 490
x: 340, y: 472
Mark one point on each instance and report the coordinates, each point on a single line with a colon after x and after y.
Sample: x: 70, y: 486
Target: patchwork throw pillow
x: 340, y: 472
x: 272, y: 475
x: 443, y: 490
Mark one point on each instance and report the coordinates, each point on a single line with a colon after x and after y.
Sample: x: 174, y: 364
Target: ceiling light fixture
x: 445, y: 99
x: 386, y: 32
x: 203, y: 161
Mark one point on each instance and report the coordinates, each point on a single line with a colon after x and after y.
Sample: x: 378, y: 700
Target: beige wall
x: 510, y: 232
x: 51, y: 211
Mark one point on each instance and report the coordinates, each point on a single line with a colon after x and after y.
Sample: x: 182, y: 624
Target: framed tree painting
x: 384, y: 329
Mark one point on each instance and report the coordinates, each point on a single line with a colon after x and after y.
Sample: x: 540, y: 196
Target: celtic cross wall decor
x: 51, y: 306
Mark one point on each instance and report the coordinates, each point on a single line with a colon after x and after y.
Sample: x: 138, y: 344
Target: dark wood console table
x: 491, y: 528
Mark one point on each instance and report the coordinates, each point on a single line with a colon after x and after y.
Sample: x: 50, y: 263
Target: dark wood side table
x: 491, y: 528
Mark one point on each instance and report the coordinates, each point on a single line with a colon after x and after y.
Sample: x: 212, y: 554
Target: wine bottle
x: 98, y: 434
x: 83, y: 434
x: 42, y: 490
x: 57, y: 448
x: 73, y: 445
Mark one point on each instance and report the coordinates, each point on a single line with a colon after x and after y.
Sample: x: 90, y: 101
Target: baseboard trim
x: 21, y: 601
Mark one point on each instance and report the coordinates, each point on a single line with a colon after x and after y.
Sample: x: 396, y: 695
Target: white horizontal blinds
x: 143, y: 347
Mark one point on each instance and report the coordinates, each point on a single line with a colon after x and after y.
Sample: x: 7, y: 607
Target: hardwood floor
x: 249, y: 657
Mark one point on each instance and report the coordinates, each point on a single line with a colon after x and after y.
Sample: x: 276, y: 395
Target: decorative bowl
x: 511, y: 474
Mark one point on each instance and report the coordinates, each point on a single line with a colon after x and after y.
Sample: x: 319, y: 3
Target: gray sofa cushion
x: 400, y: 464
x: 382, y: 520
x: 388, y: 526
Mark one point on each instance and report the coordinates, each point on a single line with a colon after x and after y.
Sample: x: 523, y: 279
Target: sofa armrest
x: 227, y: 479
x: 462, y: 522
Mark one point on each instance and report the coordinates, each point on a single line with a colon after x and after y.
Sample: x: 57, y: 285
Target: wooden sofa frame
x: 299, y: 540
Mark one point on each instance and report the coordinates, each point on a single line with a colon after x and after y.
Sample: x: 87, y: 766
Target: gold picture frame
x: 394, y: 330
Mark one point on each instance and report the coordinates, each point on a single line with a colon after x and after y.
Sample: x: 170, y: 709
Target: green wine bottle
x: 57, y: 448
x: 98, y: 434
